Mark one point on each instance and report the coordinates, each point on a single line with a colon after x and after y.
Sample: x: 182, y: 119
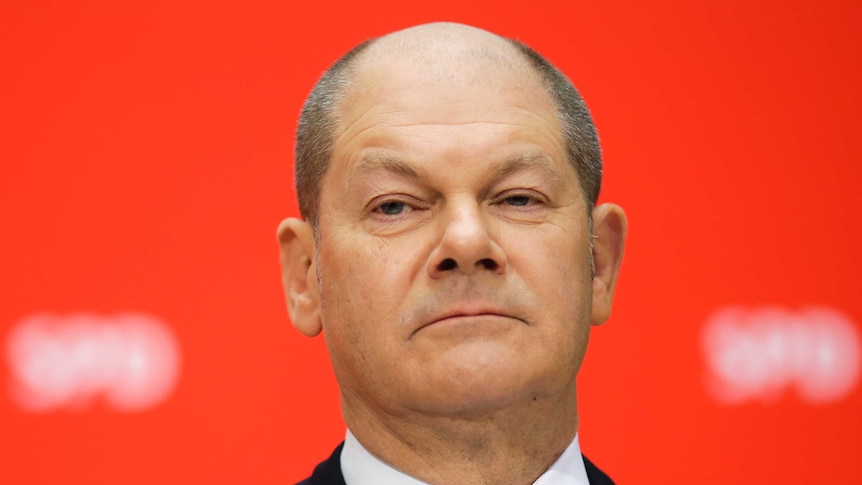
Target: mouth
x: 470, y: 318
x: 469, y: 314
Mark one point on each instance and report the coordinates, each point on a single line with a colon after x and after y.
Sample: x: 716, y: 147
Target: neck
x: 511, y: 445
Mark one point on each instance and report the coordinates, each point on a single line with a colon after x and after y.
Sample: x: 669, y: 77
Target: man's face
x: 453, y: 254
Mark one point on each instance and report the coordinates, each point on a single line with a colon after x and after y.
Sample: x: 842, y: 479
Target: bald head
x: 449, y: 54
x: 435, y: 49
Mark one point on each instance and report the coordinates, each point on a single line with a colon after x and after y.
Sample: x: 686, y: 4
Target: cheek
x: 364, y: 282
x: 555, y: 257
x: 364, y: 288
x: 556, y: 271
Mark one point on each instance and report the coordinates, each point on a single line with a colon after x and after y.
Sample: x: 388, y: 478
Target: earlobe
x: 298, y: 278
x: 609, y: 228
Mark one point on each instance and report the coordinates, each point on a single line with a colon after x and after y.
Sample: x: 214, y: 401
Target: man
x: 453, y: 256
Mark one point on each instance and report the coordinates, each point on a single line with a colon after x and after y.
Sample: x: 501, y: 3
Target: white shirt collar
x: 360, y: 467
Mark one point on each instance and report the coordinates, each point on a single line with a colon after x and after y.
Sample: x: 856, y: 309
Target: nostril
x: 448, y: 264
x: 488, y: 263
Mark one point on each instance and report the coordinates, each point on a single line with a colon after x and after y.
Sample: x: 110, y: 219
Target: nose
x: 466, y: 244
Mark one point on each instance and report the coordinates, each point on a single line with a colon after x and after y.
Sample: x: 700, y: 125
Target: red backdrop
x: 147, y: 159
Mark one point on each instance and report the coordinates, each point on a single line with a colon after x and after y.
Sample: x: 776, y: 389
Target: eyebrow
x: 527, y: 161
x: 372, y: 163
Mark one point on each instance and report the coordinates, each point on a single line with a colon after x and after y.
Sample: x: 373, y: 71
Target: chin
x: 482, y: 384
x: 475, y: 404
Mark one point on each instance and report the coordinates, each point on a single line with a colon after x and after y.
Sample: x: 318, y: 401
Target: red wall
x: 146, y: 151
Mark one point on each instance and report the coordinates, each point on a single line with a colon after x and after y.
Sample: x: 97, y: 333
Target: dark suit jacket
x: 329, y: 472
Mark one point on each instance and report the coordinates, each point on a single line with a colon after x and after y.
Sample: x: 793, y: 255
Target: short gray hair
x: 318, y: 122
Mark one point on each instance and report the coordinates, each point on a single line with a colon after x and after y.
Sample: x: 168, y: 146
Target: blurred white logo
x: 757, y: 354
x: 63, y: 362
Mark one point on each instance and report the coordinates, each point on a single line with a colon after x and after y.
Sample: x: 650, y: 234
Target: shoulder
x: 327, y: 472
x: 596, y: 476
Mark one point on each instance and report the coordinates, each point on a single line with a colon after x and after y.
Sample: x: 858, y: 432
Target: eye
x: 518, y: 200
x: 393, y: 207
x: 521, y: 199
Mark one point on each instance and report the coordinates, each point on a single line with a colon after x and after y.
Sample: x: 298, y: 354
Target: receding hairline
x: 432, y: 45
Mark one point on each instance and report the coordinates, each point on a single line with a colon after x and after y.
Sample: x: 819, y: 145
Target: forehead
x: 443, y: 85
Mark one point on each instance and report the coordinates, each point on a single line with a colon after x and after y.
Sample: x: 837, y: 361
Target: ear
x: 609, y: 228
x: 298, y: 275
